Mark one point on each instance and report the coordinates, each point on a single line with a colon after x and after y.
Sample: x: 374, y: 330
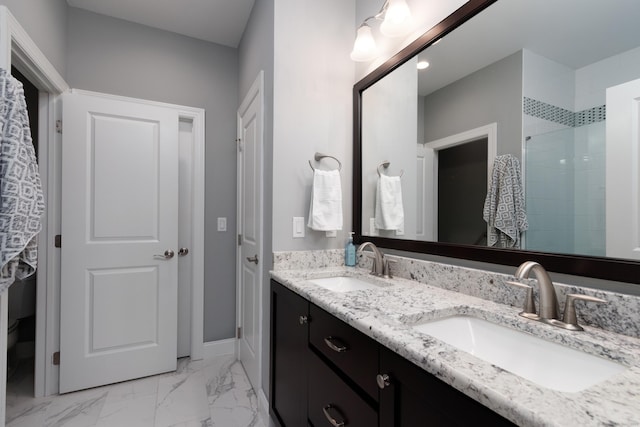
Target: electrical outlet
x: 332, y: 233
x: 222, y: 224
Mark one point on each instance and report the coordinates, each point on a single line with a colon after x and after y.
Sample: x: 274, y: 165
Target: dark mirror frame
x: 621, y: 270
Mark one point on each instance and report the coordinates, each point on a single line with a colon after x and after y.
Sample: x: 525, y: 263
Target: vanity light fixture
x: 395, y: 16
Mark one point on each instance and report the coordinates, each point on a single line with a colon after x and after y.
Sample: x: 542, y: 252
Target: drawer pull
x: 335, y: 344
x: 334, y: 422
x: 303, y: 320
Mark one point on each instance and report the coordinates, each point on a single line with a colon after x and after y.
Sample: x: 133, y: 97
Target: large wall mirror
x: 547, y: 88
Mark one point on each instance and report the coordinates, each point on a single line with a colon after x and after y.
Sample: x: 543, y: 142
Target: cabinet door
x: 416, y: 398
x: 289, y: 355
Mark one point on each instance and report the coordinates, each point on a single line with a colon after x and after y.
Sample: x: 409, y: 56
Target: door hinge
x: 57, y: 241
x: 55, y: 359
x: 239, y: 333
x: 239, y: 239
x: 59, y: 126
x: 239, y: 142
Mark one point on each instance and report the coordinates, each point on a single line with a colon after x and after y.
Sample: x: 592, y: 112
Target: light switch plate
x: 298, y: 227
x: 222, y: 224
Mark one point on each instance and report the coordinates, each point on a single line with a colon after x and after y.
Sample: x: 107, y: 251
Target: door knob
x: 168, y: 254
x: 253, y: 259
x: 183, y: 251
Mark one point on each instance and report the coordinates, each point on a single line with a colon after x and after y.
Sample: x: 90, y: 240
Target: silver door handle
x: 168, y: 254
x: 183, y: 251
x: 253, y: 259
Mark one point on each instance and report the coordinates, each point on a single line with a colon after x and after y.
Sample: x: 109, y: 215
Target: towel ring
x: 385, y: 165
x: 320, y: 156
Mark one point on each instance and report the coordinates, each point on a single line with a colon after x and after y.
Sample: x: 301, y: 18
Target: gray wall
x: 117, y: 57
x: 492, y: 94
x: 313, y: 79
x: 255, y: 53
x: 45, y: 21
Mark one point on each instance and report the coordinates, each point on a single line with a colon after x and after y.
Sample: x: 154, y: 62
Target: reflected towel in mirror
x: 325, y: 212
x: 389, y: 212
x: 504, y: 209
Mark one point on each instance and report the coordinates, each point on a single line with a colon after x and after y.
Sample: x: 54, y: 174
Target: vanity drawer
x: 351, y: 351
x: 331, y: 398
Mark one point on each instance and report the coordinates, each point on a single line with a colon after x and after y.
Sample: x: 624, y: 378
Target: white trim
x: 263, y: 406
x: 26, y: 56
x: 224, y: 347
x: 256, y: 90
x: 489, y: 131
x: 16, y: 46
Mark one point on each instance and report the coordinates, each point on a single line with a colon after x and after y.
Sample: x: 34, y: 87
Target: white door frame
x: 256, y: 90
x: 18, y: 48
x: 489, y: 131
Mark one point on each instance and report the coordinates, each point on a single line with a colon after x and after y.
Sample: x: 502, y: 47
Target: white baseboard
x: 263, y: 406
x: 219, y: 348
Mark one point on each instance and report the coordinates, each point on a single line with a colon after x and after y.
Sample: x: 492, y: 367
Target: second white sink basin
x: 545, y: 363
x: 343, y: 284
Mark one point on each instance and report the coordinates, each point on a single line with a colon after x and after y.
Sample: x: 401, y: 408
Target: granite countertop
x: 386, y: 313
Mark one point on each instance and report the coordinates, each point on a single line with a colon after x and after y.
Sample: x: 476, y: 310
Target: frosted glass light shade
x: 397, y: 19
x: 364, y: 48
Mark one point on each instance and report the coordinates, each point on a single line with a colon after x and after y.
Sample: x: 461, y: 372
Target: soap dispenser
x: 350, y: 252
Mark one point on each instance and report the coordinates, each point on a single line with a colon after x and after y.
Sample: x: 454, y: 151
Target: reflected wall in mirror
x: 550, y: 83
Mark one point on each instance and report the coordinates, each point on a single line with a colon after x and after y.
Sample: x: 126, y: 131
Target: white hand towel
x: 389, y: 213
x: 325, y: 212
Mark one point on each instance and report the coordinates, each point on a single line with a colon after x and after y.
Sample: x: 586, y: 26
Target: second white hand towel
x: 389, y: 214
x: 325, y: 212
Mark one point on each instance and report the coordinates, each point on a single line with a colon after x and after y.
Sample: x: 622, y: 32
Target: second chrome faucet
x: 548, y: 300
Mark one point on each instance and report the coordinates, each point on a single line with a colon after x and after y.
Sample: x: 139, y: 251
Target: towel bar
x: 320, y: 156
x: 385, y: 165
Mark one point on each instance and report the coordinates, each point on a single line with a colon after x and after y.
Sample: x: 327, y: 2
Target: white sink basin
x: 545, y: 363
x: 343, y: 284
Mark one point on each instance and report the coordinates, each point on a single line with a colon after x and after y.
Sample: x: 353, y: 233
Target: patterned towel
x: 22, y: 202
x: 504, y: 206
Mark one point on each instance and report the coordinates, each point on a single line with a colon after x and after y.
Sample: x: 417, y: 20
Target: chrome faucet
x: 548, y: 298
x: 378, y: 258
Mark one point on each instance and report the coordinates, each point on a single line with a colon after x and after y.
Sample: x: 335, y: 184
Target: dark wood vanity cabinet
x: 411, y: 397
x: 324, y: 370
x: 289, y: 356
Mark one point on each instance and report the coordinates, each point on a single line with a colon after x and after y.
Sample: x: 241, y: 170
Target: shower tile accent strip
x: 549, y: 112
x: 619, y: 315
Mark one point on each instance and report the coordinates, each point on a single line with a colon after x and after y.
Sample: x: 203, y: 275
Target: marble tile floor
x: 209, y: 393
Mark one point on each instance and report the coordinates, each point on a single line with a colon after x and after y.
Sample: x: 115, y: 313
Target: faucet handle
x: 569, y: 318
x: 529, y: 308
x: 387, y: 267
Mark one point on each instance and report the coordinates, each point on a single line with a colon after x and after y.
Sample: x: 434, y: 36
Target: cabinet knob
x: 303, y: 320
x: 383, y: 380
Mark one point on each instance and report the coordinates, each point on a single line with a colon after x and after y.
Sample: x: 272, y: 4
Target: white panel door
x: 622, y: 171
x: 427, y: 191
x: 119, y: 219
x: 250, y: 230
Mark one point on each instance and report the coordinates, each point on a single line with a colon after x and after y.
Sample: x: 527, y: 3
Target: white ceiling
x: 217, y: 21
x: 575, y: 33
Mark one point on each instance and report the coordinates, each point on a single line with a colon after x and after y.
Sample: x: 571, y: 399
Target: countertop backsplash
x: 620, y: 315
